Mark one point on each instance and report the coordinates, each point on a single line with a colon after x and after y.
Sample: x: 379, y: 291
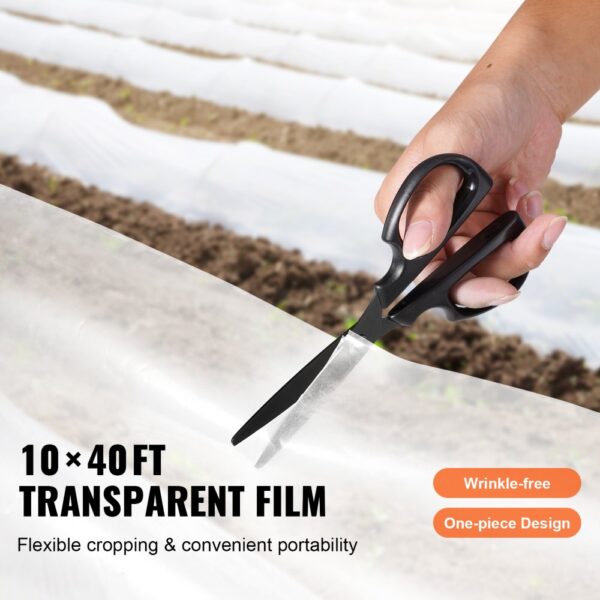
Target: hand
x: 510, y: 128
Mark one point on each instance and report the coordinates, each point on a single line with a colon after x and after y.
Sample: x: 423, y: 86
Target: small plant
x: 558, y: 210
x: 52, y: 185
x: 336, y: 287
x: 131, y: 111
x: 124, y: 93
x: 83, y: 84
x: 352, y: 321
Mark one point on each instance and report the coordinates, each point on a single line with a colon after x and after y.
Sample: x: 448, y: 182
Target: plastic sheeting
x: 144, y: 576
x: 306, y: 98
x: 105, y: 340
x: 381, y: 6
x: 389, y: 65
x: 295, y: 201
x: 446, y: 31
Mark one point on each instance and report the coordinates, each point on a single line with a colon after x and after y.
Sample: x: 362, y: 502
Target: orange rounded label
x: 507, y: 522
x: 507, y: 483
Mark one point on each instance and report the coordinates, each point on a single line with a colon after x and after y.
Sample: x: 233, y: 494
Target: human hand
x: 509, y: 127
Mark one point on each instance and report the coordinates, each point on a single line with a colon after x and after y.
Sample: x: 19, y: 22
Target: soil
x: 313, y: 291
x: 196, y: 118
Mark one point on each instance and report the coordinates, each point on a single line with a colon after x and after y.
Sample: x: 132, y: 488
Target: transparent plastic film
x: 104, y: 340
x: 347, y: 355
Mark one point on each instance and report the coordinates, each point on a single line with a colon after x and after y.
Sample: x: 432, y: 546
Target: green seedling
x: 112, y: 243
x: 184, y: 121
x: 453, y: 395
x: 336, y: 287
x: 558, y: 210
x: 352, y: 321
x: 124, y: 93
x: 52, y: 185
x: 84, y: 84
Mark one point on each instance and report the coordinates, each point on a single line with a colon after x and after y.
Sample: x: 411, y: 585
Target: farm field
x: 186, y: 218
x: 196, y: 118
x: 194, y: 115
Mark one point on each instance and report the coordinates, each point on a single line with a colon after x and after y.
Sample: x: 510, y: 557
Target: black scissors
x: 432, y: 292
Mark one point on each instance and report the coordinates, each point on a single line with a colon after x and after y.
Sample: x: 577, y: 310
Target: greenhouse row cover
x: 328, y: 208
x: 147, y: 347
x: 284, y: 94
x: 449, y: 32
x: 389, y: 65
x: 384, y: 65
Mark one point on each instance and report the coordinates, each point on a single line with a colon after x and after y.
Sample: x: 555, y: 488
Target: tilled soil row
x: 313, y: 291
x: 196, y: 118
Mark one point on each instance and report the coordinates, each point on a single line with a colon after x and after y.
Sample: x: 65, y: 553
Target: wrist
x: 520, y: 63
x: 552, y: 53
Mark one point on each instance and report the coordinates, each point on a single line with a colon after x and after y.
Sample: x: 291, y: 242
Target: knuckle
x: 532, y: 262
x: 428, y: 189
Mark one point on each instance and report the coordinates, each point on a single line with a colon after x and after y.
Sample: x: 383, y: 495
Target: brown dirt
x: 195, y: 118
x: 314, y: 291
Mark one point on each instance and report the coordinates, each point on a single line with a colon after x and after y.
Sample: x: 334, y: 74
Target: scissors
x: 433, y: 292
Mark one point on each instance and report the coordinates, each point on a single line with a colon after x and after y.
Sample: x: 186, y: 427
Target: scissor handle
x: 434, y: 291
x: 476, y: 183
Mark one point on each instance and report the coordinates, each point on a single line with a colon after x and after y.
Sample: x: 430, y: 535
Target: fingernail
x: 418, y: 239
x: 533, y: 204
x: 503, y: 299
x: 553, y: 231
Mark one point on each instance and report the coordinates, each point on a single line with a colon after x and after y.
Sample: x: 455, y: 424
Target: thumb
x: 428, y: 215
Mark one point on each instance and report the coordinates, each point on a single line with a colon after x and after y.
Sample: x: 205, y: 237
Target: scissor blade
x: 287, y: 395
x: 341, y: 364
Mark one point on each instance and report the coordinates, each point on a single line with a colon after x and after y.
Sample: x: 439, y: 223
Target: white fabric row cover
x: 490, y: 6
x: 388, y: 65
x: 105, y: 340
x: 281, y: 93
x: 448, y: 32
x: 386, y: 8
x: 323, y: 209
